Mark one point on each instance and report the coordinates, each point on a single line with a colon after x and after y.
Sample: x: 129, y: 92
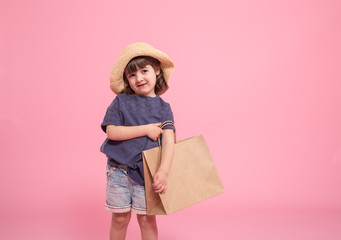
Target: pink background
x: 260, y: 80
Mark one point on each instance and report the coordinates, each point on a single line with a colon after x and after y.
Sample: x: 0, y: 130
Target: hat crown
x: 142, y: 49
x: 137, y: 46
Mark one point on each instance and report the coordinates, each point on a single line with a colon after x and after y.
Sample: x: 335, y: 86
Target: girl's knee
x: 120, y: 220
x: 146, y: 221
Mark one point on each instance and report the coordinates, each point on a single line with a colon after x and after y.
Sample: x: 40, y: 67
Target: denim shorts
x: 123, y: 193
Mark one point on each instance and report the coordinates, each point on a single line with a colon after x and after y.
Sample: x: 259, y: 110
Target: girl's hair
x: 141, y: 61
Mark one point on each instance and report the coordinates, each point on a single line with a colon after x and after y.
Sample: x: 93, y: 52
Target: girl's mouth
x: 141, y: 85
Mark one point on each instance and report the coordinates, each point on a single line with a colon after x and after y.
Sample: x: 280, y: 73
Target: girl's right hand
x: 153, y: 131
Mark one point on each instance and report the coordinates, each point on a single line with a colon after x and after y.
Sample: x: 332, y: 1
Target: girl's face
x: 143, y: 81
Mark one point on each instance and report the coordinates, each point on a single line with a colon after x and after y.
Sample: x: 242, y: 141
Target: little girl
x: 131, y: 123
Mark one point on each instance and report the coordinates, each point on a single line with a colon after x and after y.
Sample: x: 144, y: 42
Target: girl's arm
x: 120, y: 133
x: 167, y: 154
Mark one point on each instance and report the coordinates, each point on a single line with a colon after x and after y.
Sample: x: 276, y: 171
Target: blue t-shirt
x: 132, y: 110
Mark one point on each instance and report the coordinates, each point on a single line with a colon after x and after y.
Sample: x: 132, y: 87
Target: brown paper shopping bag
x: 192, y: 178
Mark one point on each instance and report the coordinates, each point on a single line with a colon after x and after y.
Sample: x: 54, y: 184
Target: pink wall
x: 260, y: 79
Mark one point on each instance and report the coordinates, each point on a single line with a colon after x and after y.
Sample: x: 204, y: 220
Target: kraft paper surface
x: 193, y: 177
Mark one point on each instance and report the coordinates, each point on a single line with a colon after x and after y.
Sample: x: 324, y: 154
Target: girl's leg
x: 119, y: 225
x: 148, y: 226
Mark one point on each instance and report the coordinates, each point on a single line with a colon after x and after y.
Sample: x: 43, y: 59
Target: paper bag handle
x: 164, y: 124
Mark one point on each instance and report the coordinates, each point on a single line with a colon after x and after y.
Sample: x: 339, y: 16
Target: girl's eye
x: 131, y: 75
x: 144, y: 71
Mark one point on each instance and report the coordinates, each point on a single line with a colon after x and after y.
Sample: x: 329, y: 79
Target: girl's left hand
x: 160, y: 181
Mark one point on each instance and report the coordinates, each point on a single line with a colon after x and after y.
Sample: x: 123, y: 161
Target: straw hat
x: 135, y: 50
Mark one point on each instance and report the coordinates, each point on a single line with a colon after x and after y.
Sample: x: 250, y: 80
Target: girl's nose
x: 139, y: 77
